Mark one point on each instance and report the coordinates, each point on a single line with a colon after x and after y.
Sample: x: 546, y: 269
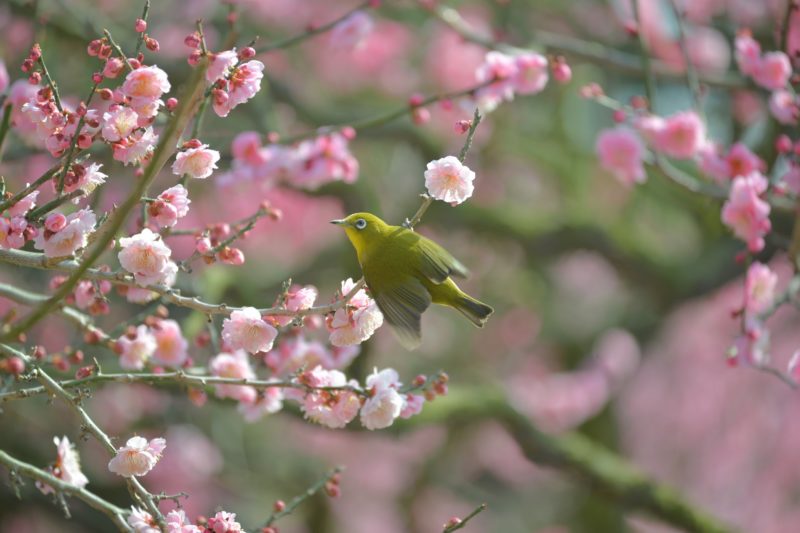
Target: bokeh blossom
x: 621, y: 152
x: 233, y: 365
x: 746, y: 213
x: 136, y: 348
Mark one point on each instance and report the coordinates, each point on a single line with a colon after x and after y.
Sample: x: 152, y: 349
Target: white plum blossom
x: 137, y: 457
x: 385, y: 402
x: 449, y: 180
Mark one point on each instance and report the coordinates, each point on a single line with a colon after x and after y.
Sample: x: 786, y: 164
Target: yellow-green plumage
x: 406, y: 272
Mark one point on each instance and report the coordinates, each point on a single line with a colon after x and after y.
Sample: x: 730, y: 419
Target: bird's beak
x: 339, y: 222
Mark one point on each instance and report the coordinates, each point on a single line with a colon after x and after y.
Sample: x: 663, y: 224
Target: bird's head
x: 363, y: 229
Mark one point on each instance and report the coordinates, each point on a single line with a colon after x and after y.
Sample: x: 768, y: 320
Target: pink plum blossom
x: 224, y: 522
x: 449, y: 180
x: 233, y: 365
x: 198, y: 162
x: 119, y: 123
x: 745, y: 212
x: 170, y: 205
x: 146, y: 257
x: 773, y: 71
x: 783, y: 106
x: 759, y: 287
x: 621, y: 151
x: 12, y: 232
x: 22, y: 207
x: 138, y: 457
x: 244, y: 83
x: 70, y: 237
x: 136, y: 350
x: 295, y: 299
x: 67, y: 466
x: 681, y: 136
x: 177, y: 522
x: 748, y: 53
x: 171, y: 346
x: 246, y: 330
x: 142, y: 522
x: 145, y: 85
x: 531, y: 75
x: 220, y: 64
x: 356, y: 322
x: 294, y: 353
x: 333, y: 409
x: 385, y: 403
x: 351, y: 32
x: 742, y: 161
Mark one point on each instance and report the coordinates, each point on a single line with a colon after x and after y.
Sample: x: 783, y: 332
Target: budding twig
x: 297, y: 500
x: 463, y: 522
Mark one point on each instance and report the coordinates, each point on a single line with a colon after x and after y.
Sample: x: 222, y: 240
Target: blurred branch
x: 104, y: 236
x: 588, y: 51
x: 297, y: 500
x: 16, y: 467
x: 311, y: 32
x: 4, y: 124
x: 605, y: 472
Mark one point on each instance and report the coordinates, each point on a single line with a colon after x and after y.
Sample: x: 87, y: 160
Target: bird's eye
x: 361, y: 223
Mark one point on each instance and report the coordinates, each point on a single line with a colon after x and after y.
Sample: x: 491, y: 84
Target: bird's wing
x: 402, y: 305
x: 437, y: 264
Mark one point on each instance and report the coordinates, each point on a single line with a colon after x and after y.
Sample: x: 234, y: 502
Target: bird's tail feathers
x: 476, y: 311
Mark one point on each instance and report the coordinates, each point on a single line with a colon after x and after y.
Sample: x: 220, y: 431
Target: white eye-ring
x: 361, y: 223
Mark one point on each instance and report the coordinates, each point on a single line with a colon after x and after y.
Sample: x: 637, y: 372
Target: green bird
x: 405, y: 272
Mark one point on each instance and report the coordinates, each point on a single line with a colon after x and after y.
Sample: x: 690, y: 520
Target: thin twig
x: 74, y: 142
x: 117, y: 48
x: 4, y: 125
x: 463, y: 522
x: 691, y: 73
x: 50, y: 82
x: 297, y: 500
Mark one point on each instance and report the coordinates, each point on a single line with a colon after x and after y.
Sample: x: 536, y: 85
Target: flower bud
x: 140, y: 25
